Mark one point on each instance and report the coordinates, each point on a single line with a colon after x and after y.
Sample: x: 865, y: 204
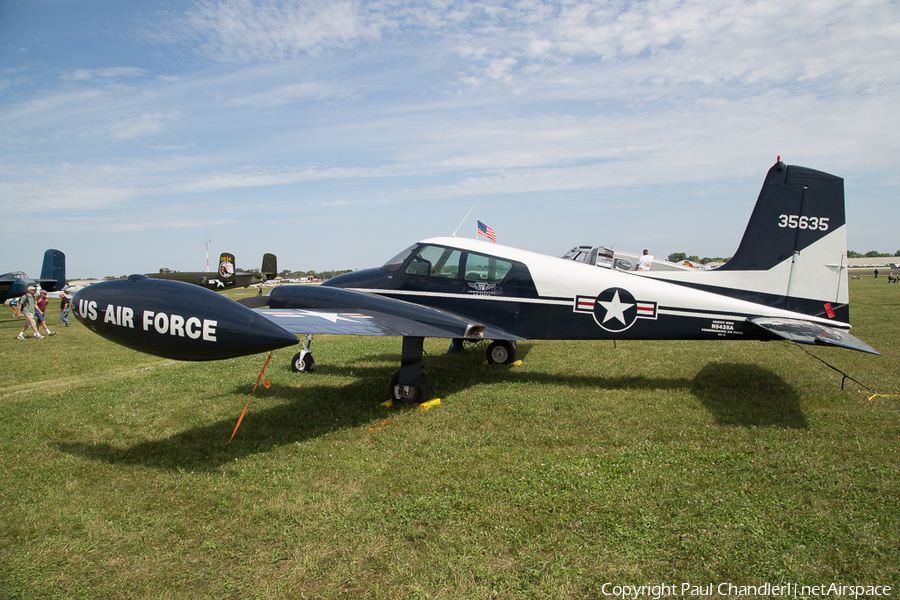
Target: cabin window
x: 435, y: 261
x: 485, y: 268
x: 624, y: 265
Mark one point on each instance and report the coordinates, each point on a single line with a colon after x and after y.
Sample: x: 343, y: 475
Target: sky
x: 138, y: 135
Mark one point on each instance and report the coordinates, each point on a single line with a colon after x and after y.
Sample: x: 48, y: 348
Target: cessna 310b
x: 787, y: 281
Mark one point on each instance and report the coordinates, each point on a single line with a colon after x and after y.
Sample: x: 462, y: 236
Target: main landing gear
x: 502, y: 352
x: 409, y: 385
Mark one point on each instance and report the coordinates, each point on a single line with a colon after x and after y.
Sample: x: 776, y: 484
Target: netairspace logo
x: 786, y: 590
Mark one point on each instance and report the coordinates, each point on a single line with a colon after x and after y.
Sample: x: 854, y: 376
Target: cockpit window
x: 485, y: 268
x: 397, y: 261
x: 435, y: 261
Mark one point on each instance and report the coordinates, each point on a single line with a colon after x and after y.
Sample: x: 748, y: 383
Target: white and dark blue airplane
x: 787, y: 281
x: 53, y: 277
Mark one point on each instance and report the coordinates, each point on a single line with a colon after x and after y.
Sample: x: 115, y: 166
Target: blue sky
x: 336, y: 133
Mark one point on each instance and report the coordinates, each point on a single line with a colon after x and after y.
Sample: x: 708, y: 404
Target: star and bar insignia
x: 615, y: 309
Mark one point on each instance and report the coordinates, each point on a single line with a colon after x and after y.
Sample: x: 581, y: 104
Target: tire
x: 303, y: 363
x: 501, y: 352
x: 413, y: 395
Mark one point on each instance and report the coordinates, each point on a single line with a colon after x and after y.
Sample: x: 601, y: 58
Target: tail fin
x: 797, y: 234
x: 269, y: 266
x: 227, y: 268
x: 794, y: 251
x: 53, y: 271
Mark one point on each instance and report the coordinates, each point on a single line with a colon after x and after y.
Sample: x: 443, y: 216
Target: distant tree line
x: 870, y: 254
x: 677, y: 257
x: 680, y: 256
x: 323, y: 275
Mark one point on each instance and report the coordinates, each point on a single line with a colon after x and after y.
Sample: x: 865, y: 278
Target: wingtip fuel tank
x: 176, y: 320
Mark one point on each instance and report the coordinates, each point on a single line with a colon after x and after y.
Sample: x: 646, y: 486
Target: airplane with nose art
x: 786, y: 281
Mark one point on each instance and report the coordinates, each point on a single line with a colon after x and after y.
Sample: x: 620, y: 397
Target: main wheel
x: 409, y: 394
x: 501, y: 352
x: 303, y: 363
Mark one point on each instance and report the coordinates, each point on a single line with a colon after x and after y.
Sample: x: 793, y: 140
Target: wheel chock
x: 429, y: 404
x: 387, y: 404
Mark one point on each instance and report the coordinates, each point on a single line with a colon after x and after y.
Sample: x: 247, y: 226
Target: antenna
x: 463, y: 221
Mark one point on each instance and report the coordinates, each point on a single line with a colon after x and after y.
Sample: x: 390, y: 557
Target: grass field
x: 639, y: 463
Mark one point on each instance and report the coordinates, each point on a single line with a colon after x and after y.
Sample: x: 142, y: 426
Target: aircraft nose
x: 176, y: 320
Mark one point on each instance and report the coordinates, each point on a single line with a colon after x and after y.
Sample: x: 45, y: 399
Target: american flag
x: 487, y: 232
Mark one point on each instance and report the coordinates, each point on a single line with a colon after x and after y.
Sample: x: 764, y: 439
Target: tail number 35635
x: 803, y: 222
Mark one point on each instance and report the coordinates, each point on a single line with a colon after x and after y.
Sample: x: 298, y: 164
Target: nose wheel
x: 303, y: 361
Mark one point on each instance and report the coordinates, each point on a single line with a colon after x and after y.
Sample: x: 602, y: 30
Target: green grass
x: 642, y: 463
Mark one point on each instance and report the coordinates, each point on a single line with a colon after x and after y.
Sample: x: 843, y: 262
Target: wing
x: 806, y: 332
x: 316, y: 309
x: 189, y: 322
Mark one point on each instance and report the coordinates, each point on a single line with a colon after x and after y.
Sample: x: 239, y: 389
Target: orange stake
x: 266, y: 384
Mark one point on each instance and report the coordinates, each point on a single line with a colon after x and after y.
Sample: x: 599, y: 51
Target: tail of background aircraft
x: 53, y: 271
x: 794, y: 251
x: 227, y: 268
x: 269, y: 267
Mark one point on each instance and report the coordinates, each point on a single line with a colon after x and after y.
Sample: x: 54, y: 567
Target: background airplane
x: 787, y: 281
x: 227, y: 275
x: 53, y: 277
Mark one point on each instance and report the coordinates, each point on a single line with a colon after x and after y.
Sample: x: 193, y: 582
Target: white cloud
x: 109, y: 73
x: 142, y: 125
x: 241, y: 31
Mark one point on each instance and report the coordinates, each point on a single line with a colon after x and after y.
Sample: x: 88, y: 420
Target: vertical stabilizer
x: 796, y: 209
x: 797, y: 234
x: 794, y: 251
x: 53, y: 268
x: 269, y: 266
x: 227, y: 268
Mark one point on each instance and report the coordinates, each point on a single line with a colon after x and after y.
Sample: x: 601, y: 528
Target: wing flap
x: 807, y: 332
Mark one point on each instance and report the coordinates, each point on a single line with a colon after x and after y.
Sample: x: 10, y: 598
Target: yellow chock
x: 387, y: 404
x: 429, y: 404
x: 516, y: 364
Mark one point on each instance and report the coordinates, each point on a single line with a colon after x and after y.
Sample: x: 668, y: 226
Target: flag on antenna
x: 487, y: 232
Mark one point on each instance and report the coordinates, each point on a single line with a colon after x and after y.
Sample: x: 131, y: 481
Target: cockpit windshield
x: 396, y: 262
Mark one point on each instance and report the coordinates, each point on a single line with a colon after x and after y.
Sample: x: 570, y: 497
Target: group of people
x: 33, y: 307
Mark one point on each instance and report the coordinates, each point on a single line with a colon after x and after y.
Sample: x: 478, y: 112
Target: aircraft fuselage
x: 537, y: 296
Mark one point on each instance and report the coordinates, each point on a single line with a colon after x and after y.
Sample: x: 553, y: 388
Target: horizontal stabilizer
x: 806, y: 332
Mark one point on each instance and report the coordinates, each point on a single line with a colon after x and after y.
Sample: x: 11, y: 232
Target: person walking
x: 65, y: 304
x: 41, y: 312
x: 28, y: 306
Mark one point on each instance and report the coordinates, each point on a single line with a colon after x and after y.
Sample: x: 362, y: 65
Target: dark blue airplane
x: 53, y: 277
x: 787, y: 281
